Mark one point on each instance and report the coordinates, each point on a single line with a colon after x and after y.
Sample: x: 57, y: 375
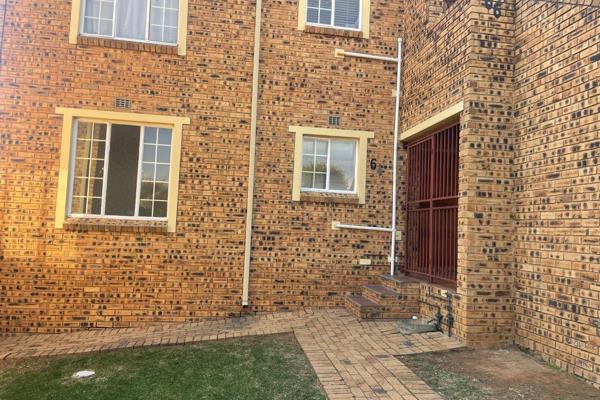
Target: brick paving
x: 353, y: 360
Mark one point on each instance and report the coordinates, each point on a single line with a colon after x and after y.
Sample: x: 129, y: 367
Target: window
x: 337, y: 13
x: 329, y: 165
x: 120, y: 170
x: 330, y: 161
x: 350, y: 15
x: 119, y: 165
x: 147, y: 21
x: 142, y: 20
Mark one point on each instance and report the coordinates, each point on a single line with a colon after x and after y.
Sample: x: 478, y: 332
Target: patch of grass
x: 267, y: 367
x: 452, y: 386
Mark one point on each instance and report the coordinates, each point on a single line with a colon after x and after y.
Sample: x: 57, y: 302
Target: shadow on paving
x: 507, y: 374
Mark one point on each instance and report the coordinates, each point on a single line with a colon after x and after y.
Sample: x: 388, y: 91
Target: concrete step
x: 363, y: 308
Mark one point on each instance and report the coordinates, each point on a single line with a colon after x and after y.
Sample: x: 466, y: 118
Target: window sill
x: 114, y: 225
x: 333, y: 32
x: 126, y: 45
x: 333, y: 198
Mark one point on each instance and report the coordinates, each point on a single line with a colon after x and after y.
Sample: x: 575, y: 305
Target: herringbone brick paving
x: 353, y: 360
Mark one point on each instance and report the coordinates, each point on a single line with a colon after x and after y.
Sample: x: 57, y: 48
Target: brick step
x: 363, y: 308
x: 409, y: 288
x: 381, y: 295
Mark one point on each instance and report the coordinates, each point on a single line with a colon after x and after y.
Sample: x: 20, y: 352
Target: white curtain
x: 131, y: 19
x: 346, y: 13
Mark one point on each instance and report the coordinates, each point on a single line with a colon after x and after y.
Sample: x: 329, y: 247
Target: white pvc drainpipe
x: 252, y: 161
x: 392, y: 230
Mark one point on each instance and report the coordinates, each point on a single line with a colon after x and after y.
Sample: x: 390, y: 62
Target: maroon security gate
x: 432, y: 220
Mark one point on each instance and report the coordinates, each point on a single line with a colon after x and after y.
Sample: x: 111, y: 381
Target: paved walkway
x: 353, y: 360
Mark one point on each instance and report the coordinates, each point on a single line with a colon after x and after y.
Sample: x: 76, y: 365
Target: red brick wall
x: 557, y: 209
x: 52, y: 280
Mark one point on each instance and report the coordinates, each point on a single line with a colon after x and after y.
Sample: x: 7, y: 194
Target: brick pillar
x: 485, y: 255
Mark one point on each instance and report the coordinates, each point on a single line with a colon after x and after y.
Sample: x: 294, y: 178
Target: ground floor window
x: 432, y: 197
x: 329, y: 165
x: 328, y: 160
x: 119, y: 165
x: 120, y: 170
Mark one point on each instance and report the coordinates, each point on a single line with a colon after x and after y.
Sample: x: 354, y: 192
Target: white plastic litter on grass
x: 83, y: 374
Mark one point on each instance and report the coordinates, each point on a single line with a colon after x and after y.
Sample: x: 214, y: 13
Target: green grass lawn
x: 267, y: 367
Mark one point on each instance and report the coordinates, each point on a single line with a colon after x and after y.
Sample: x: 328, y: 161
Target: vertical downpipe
x: 395, y: 160
x: 252, y: 160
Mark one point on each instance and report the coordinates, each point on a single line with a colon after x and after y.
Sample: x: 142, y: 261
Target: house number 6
x: 373, y: 164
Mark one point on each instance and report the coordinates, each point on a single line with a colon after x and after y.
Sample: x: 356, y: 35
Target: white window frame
x: 328, y: 170
x: 114, y: 20
x: 332, y: 25
x: 109, y: 124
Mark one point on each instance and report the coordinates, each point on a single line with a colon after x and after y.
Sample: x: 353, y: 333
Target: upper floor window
x: 343, y: 14
x: 139, y: 20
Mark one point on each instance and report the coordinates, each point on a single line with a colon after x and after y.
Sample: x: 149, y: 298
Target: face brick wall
x: 434, y: 79
x: 557, y: 204
x: 464, y: 53
x: 53, y: 280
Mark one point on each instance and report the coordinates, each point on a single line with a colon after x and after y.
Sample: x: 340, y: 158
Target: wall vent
x: 122, y: 103
x: 335, y: 120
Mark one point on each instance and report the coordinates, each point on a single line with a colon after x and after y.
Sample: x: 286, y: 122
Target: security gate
x: 432, y: 195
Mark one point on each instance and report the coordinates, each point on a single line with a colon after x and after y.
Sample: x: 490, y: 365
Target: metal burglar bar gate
x: 432, y: 220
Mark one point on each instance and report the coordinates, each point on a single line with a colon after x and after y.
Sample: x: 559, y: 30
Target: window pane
x: 150, y: 135
x: 320, y: 164
x: 347, y: 13
x: 98, y: 17
x: 325, y: 17
x: 105, y: 28
x: 163, y: 21
x: 161, y: 191
x: 164, y: 136
x: 149, y: 153
x: 90, y: 26
x: 147, y: 171
x: 155, y: 186
x: 312, y: 15
x: 88, y: 171
x: 163, y: 154
x: 162, y: 173
x: 147, y: 191
x: 307, y: 179
x: 94, y: 206
x: 320, y: 181
x: 343, y: 165
x: 145, y: 208
x: 170, y: 35
x: 308, y: 163
x: 160, y: 209
x: 121, y: 183
x: 78, y: 205
x: 308, y: 146
x: 131, y: 19
x: 321, y: 147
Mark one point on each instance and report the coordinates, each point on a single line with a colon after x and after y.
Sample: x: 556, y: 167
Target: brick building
x: 245, y: 134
